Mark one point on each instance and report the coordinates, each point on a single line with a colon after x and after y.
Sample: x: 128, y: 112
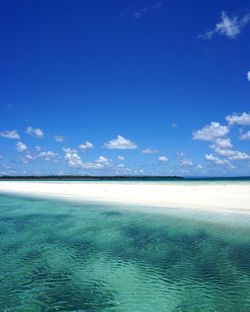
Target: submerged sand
x: 212, y: 196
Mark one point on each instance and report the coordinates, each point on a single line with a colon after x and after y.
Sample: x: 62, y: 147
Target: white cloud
x: 239, y: 119
x: 47, y: 155
x: 210, y: 132
x: 163, y: 158
x: 221, y: 151
x: 211, y: 157
x: 174, y: 125
x: 120, y: 158
x: 150, y: 151
x: 37, y: 132
x: 142, y: 11
x: 13, y: 134
x: 69, y: 150
x: 230, y: 27
x: 29, y: 157
x: 74, y: 160
x: 72, y: 157
x: 91, y: 165
x: 224, y: 148
x: 38, y: 148
x: 121, y: 166
x: 180, y: 154
x: 245, y: 136
x: 224, y: 143
x: 239, y: 156
x: 183, y: 161
x: 122, y: 169
x: 218, y: 161
x: 21, y: 147
x: 44, y: 155
x: 85, y: 146
x: 120, y: 143
x: 58, y: 138
x: 186, y: 162
x: 232, y: 154
x: 102, y: 160
x: 248, y: 75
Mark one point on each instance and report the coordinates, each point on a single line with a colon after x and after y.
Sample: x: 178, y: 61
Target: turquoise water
x: 63, y: 256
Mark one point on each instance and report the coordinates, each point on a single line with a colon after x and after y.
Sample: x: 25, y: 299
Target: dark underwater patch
x: 112, y: 213
x: 70, y: 296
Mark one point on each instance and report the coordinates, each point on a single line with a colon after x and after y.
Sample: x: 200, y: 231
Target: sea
x: 59, y: 255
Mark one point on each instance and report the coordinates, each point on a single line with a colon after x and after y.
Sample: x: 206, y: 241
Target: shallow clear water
x: 63, y: 256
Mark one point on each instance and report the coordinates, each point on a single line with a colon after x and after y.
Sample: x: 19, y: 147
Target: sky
x: 125, y: 87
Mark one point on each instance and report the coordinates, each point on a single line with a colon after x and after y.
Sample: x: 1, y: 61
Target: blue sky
x: 126, y: 87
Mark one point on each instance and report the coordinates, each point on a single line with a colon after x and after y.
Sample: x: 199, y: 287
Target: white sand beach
x: 210, y: 196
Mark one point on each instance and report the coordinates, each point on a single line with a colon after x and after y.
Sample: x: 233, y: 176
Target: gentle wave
x: 61, y: 256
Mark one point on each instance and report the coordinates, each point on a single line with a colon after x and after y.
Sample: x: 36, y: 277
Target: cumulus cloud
x: 230, y: 27
x: 85, y: 146
x: 180, y: 154
x: 58, y: 138
x: 92, y: 165
x: 21, y: 147
x: 121, y: 166
x: 47, y: 155
x: 232, y: 154
x: 29, y: 157
x: 186, y: 162
x: 120, y: 143
x: 74, y: 160
x: 239, y: 156
x: 36, y: 132
x: 102, y: 160
x: 248, y: 75
x: 163, y: 158
x: 245, y: 136
x: 222, y: 151
x: 69, y: 150
x: 150, y: 151
x: 38, y: 148
x: 120, y: 158
x: 211, y: 132
x: 224, y: 143
x: 239, y: 119
x: 13, y: 134
x: 72, y: 157
x: 224, y: 148
x: 183, y: 161
x: 121, y: 169
x: 218, y: 161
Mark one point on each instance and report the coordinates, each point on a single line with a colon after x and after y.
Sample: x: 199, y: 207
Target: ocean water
x: 67, y: 256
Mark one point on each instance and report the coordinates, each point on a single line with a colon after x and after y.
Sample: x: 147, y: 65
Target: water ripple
x: 55, y: 256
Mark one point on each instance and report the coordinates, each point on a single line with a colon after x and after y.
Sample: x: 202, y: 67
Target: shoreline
x: 231, y: 197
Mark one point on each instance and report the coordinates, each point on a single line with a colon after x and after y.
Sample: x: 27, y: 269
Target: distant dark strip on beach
x: 118, y: 178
